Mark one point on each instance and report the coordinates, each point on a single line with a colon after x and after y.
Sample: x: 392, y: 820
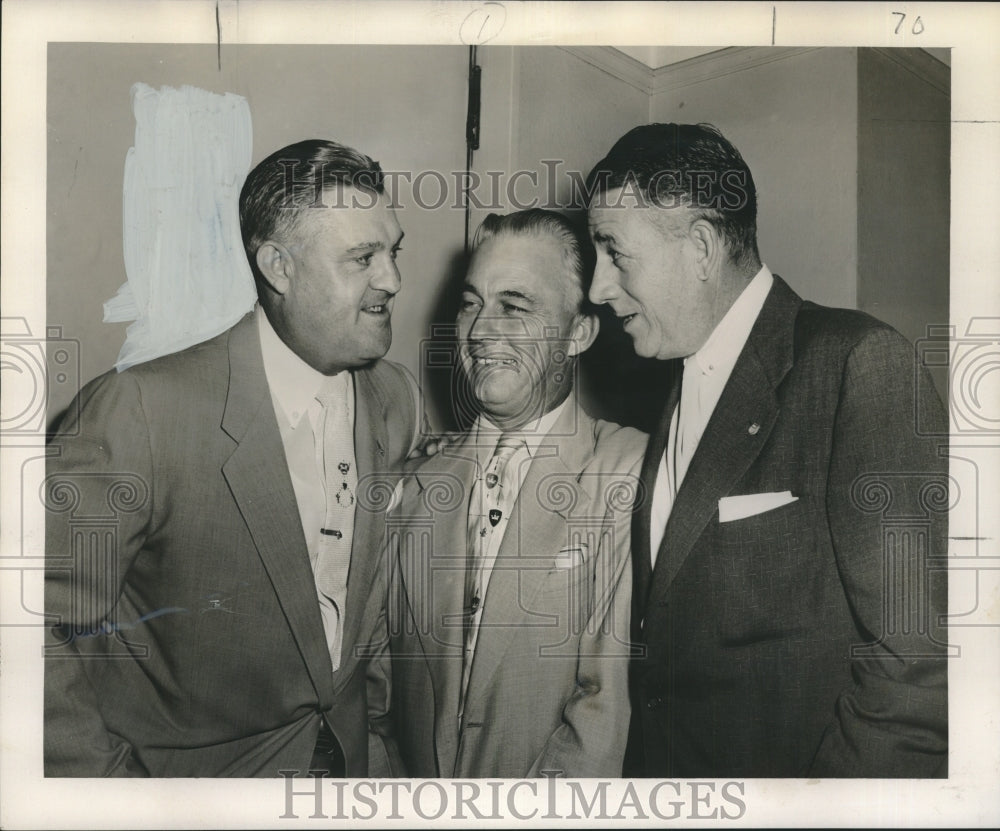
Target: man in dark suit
x: 789, y: 584
x: 511, y: 583
x: 214, y: 577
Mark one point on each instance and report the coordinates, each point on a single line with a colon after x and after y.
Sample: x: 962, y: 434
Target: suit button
x: 653, y: 703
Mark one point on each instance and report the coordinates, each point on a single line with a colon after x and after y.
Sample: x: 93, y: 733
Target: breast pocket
x: 771, y: 568
x: 562, y: 605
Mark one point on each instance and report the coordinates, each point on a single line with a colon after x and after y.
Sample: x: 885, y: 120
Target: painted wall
x: 794, y: 121
x: 404, y: 106
x: 904, y: 143
x: 804, y: 123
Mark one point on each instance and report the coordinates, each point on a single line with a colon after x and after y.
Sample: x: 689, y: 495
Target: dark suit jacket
x: 549, y: 683
x: 190, y: 641
x: 805, y: 640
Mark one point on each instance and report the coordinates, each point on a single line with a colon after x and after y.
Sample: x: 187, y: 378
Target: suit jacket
x: 548, y: 688
x: 805, y: 640
x: 188, y: 637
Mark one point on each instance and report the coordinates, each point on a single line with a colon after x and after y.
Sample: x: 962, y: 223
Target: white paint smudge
x: 188, y: 278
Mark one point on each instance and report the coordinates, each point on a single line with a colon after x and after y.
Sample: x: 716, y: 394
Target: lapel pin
x: 753, y: 429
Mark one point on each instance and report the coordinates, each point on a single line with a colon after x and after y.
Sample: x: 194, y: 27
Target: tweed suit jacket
x: 806, y: 640
x: 188, y: 639
x: 548, y: 687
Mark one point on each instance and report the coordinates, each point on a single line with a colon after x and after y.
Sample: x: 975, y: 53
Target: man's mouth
x: 626, y: 319
x: 494, y: 361
x: 377, y: 309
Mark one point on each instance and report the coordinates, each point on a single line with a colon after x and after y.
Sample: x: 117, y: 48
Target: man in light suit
x: 508, y: 612
x: 213, y: 574
x: 789, y: 620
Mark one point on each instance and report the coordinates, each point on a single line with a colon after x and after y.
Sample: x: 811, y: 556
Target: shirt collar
x: 723, y: 347
x: 487, y: 434
x: 293, y: 383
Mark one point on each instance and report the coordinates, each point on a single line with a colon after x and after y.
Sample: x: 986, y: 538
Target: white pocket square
x: 571, y: 556
x: 750, y: 504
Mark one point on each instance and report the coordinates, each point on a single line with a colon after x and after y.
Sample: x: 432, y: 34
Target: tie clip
x: 331, y: 532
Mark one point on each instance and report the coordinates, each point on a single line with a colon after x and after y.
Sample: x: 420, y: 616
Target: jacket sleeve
x: 99, y: 467
x: 590, y: 741
x: 887, y: 501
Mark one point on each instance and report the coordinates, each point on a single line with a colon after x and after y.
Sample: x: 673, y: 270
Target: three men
x: 786, y: 629
x: 212, y: 577
x: 215, y: 575
x: 510, y: 580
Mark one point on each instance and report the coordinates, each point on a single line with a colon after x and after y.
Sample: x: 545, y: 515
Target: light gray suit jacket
x: 187, y: 638
x: 548, y: 689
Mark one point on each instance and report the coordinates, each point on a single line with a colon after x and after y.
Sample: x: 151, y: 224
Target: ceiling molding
x: 734, y: 59
x: 719, y: 64
x: 616, y: 63
x: 691, y: 71
x: 922, y: 64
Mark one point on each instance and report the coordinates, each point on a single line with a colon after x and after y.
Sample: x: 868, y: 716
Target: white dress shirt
x: 485, y: 436
x: 706, y: 373
x: 294, y: 386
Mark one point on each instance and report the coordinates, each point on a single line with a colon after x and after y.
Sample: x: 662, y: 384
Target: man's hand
x: 431, y: 445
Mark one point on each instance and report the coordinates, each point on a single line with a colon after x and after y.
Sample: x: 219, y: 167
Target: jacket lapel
x: 642, y: 572
x: 735, y: 434
x: 434, y: 582
x: 550, y: 497
x: 370, y: 443
x: 257, y: 475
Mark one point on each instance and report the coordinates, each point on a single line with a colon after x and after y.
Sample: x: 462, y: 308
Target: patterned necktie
x: 340, y: 481
x: 490, y: 503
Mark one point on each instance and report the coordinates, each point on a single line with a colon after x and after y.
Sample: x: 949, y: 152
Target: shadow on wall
x: 616, y: 385
x: 448, y: 403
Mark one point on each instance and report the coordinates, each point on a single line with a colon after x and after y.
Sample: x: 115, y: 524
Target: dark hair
x: 578, y: 254
x: 293, y: 179
x: 686, y: 165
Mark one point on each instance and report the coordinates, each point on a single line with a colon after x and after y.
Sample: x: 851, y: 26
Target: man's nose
x: 604, y: 286
x: 387, y: 278
x: 484, y: 326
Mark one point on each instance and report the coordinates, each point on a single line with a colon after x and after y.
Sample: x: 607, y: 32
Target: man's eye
x: 510, y: 307
x: 395, y: 252
x: 365, y: 259
x: 615, y: 255
x: 467, y: 305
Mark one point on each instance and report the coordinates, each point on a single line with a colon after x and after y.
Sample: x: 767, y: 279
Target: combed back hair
x: 578, y: 254
x: 686, y: 165
x: 292, y: 180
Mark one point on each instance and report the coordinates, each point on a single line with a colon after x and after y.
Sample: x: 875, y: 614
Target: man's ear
x: 585, y: 329
x: 709, y: 248
x: 276, y: 265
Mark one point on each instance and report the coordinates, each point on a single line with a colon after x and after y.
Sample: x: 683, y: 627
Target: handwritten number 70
x: 916, y: 29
